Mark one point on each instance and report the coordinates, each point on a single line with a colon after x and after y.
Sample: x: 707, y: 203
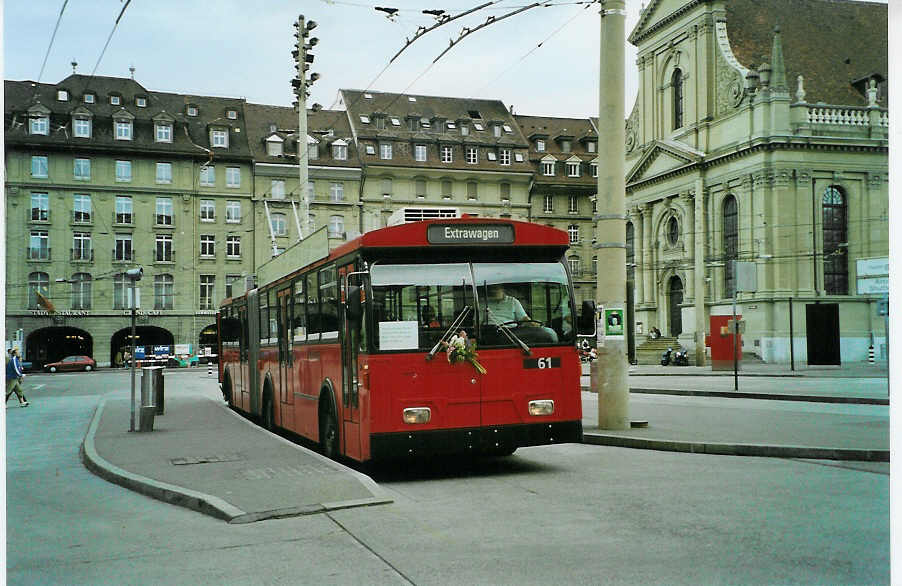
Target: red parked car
x: 85, y: 363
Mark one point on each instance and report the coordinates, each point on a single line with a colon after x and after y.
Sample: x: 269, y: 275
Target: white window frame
x: 548, y: 168
x: 540, y: 145
x: 123, y: 129
x: 336, y: 227
x: 81, y: 172
x: 505, y: 156
x: 233, y: 212
x: 419, y: 152
x: 164, y: 173
x: 279, y: 224
x: 81, y: 127
x: 89, y: 98
x: 164, y: 209
x: 472, y: 155
x: 208, y: 246
x: 81, y: 208
x: 277, y: 189
x: 233, y: 177
x: 548, y: 203
x: 340, y: 152
x: 233, y: 246
x: 573, y: 169
x: 385, y: 151
x: 141, y: 102
x: 573, y: 204
x: 593, y: 167
x: 40, y: 166
x: 208, y: 175
x: 337, y: 192
x: 115, y: 100
x: 39, y: 125
x: 207, y: 210
x: 447, y: 154
x: 162, y: 132
x: 573, y: 233
x: 121, y: 167
x: 219, y: 138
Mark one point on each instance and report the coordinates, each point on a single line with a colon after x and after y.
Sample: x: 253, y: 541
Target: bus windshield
x: 414, y: 304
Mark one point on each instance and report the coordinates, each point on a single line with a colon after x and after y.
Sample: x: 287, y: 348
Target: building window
x: 89, y: 98
x: 336, y: 226
x: 630, y: 252
x: 594, y: 265
x: 490, y: 155
x: 836, y: 241
x: 337, y: 192
x: 207, y: 210
x: 548, y: 168
x: 385, y: 150
x: 164, y: 211
x: 386, y: 187
x: 573, y: 206
x: 163, y: 251
x: 566, y: 146
x: 232, y: 114
x: 573, y: 169
x: 121, y: 286
x: 141, y: 102
x: 40, y: 207
x: 233, y: 212
x: 206, y: 291
x: 274, y: 146
x: 233, y: 177
x: 82, y: 169
x: 38, y: 287
x: 207, y: 245
x: 573, y: 232
x: 590, y: 146
x: 208, y: 175
x: 593, y: 168
x: 123, y: 129
x: 505, y: 156
x: 163, y: 291
x: 419, y: 152
x: 81, y: 127
x: 81, y: 208
x: 420, y: 188
x: 279, y: 225
x: 219, y: 139
x: 39, y: 245
x: 478, y: 126
x: 39, y: 166
x: 730, y: 242
x: 81, y: 246
x: 464, y: 130
x: 573, y: 262
x: 233, y: 246
x: 123, y: 171
x: 123, y: 209
x: 380, y: 123
x: 446, y: 189
x: 339, y: 152
x: 115, y: 100
x: 472, y: 192
x: 496, y: 130
x: 123, y: 250
x: 163, y: 132
x: 228, y: 284
x: 548, y: 204
x: 676, y: 82
x: 673, y: 231
x: 164, y: 172
x: 277, y: 189
x: 505, y: 192
x: 39, y: 125
x: 81, y: 291
x: 191, y: 110
x: 472, y: 155
x: 312, y: 150
x: 447, y: 154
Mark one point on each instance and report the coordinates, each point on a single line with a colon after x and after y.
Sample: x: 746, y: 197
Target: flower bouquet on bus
x: 460, y: 348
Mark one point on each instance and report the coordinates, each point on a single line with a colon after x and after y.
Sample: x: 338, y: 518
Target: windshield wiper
x: 452, y: 329
x: 510, y: 335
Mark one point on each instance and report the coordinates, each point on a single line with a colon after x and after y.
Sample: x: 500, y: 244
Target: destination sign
x: 470, y: 234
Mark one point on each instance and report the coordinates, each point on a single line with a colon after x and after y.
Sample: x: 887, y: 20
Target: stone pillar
x: 699, y: 257
x: 639, y: 245
x: 648, y: 257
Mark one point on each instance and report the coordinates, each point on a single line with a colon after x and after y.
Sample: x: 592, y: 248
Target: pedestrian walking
x: 14, y: 377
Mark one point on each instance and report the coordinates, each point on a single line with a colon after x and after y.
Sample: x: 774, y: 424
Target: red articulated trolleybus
x: 432, y: 337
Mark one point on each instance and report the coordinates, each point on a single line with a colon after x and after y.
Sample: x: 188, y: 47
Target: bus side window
x: 328, y: 294
x: 264, y: 316
x: 313, y: 317
x: 299, y: 325
x: 273, y: 314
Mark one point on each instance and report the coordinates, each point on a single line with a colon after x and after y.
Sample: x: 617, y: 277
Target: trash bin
x: 158, y: 384
x: 148, y: 410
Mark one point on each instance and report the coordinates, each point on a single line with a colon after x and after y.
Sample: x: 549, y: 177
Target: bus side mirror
x: 586, y: 325
x: 354, y: 306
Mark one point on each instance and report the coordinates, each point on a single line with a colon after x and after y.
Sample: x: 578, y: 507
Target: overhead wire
x: 52, y: 38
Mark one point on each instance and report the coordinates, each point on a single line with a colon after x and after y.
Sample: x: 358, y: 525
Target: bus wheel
x: 267, y: 415
x: 328, y: 432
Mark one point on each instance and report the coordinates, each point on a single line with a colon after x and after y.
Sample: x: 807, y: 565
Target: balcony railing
x: 81, y: 254
x: 37, y: 253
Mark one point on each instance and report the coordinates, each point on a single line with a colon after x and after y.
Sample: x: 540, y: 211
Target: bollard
x: 209, y: 369
x: 148, y: 410
x: 158, y: 388
x: 871, y: 355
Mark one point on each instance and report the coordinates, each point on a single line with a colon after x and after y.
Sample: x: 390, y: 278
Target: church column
x: 639, y: 252
x: 648, y: 257
x: 699, y: 257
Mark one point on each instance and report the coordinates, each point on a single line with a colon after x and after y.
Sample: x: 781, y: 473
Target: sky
x: 238, y: 48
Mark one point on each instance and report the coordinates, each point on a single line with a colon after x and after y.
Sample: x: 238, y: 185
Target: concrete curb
x: 759, y: 450
x: 169, y: 493
x: 764, y: 396
x: 213, y: 505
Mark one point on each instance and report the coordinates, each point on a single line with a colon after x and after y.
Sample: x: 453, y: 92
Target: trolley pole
x: 610, y: 370
x: 300, y: 84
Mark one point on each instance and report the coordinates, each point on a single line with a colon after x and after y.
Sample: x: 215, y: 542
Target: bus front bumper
x: 500, y: 439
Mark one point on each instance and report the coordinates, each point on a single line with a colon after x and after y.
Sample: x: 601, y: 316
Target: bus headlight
x: 417, y: 415
x: 543, y: 407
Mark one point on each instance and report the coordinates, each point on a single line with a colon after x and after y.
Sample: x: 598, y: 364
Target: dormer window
x: 123, y: 129
x: 339, y: 150
x: 496, y: 130
x: 274, y: 146
x: 115, y: 100
x: 162, y: 132
x: 424, y: 123
x: 411, y: 99
x: 490, y: 155
x: 368, y: 96
x: 565, y: 146
x: 590, y: 146
x: 141, y: 102
x: 89, y: 98
x: 478, y: 126
x: 450, y: 125
x: 412, y: 124
x: 81, y: 126
x: 572, y: 168
x: 548, y: 166
x: 593, y: 168
x: 518, y: 157
x: 39, y: 124
x: 219, y: 138
x: 507, y: 128
x: 540, y: 145
x: 370, y: 149
x: 365, y: 119
x: 232, y: 114
x: 380, y: 123
x: 191, y: 110
x: 464, y: 130
x: 395, y: 122
x: 62, y: 95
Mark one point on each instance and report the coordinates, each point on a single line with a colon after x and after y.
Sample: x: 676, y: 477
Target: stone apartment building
x: 760, y: 135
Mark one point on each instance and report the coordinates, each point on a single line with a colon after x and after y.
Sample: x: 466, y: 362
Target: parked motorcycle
x: 681, y: 358
x: 666, y: 356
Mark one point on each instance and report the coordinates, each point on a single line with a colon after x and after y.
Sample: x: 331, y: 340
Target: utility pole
x: 610, y: 370
x: 300, y: 83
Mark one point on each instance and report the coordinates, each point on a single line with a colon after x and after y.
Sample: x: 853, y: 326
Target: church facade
x: 757, y: 137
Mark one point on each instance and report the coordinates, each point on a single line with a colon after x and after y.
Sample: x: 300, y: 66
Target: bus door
x: 239, y: 393
x: 285, y: 417
x: 351, y: 335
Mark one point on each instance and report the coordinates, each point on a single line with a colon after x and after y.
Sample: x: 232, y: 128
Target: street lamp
x: 133, y: 275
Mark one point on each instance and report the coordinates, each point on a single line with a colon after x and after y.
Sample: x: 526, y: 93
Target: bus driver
x: 504, y: 308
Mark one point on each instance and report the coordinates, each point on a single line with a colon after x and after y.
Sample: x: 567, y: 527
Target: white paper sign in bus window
x: 397, y: 335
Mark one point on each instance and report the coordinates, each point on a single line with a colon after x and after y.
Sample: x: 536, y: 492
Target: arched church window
x: 676, y: 82
x: 730, y: 242
x: 673, y: 231
x: 836, y: 239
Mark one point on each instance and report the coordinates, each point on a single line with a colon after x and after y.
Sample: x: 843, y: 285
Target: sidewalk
x: 203, y: 456
x: 754, y: 368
